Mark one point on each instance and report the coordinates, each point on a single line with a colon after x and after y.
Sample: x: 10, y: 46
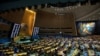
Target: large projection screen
x: 86, y: 28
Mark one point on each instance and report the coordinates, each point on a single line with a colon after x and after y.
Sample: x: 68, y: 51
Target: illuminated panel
x: 15, y: 30
x: 35, y: 32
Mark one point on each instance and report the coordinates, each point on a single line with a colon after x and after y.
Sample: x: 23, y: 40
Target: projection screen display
x: 86, y: 28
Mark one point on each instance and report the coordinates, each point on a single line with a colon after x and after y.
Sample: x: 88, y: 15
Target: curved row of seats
x: 79, y: 46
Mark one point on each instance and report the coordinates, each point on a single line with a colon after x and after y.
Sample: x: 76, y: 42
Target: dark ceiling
x: 7, y: 1
x: 6, y: 5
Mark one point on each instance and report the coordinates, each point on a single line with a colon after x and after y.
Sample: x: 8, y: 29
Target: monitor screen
x: 86, y: 28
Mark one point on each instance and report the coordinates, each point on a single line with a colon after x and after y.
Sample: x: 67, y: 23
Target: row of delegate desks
x: 54, y: 46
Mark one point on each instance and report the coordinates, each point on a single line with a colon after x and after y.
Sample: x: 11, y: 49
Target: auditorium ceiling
x: 81, y: 13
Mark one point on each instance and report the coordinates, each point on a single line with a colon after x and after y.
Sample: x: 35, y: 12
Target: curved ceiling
x: 79, y: 12
x: 13, y: 4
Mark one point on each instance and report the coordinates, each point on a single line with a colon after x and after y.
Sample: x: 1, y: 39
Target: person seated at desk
x: 61, y: 52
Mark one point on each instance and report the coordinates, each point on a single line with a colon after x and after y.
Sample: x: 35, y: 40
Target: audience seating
x: 76, y: 46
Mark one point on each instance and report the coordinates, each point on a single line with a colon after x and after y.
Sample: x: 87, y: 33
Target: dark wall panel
x: 97, y: 29
x: 55, y: 22
x: 13, y: 16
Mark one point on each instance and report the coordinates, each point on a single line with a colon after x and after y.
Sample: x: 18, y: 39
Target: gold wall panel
x: 28, y: 22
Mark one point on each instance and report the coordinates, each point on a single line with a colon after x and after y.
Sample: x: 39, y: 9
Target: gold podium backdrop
x: 28, y: 22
